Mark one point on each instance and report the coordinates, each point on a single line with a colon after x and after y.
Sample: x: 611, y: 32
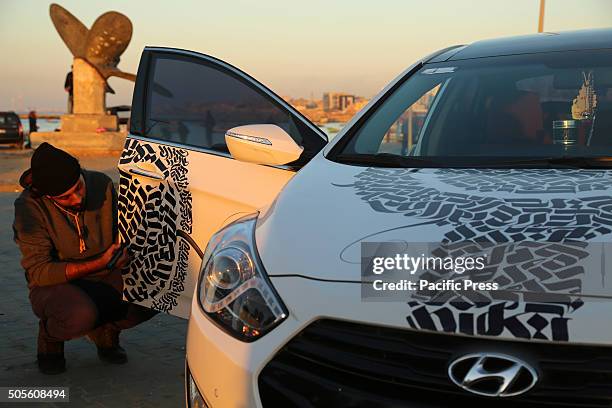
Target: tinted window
x: 191, y: 102
x: 556, y: 104
x: 8, y: 119
x: 404, y: 133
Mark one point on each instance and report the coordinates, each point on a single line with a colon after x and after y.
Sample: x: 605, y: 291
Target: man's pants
x: 71, y: 310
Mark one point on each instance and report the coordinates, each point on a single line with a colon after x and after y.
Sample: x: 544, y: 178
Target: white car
x: 244, y: 219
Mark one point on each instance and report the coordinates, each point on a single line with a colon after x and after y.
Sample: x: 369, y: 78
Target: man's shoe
x: 106, y: 338
x: 50, y: 354
x: 51, y: 364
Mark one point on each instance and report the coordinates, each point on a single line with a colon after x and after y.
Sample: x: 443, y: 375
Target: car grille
x: 8, y: 134
x: 341, y: 364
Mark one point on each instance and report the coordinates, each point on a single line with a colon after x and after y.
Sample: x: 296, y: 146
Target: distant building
x: 344, y: 101
x: 330, y: 101
x: 334, y: 107
x: 333, y: 101
x: 299, y: 102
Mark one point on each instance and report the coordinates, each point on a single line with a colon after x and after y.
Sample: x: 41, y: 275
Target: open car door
x: 178, y: 182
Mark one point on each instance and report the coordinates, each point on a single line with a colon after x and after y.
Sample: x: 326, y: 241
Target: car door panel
x: 178, y: 185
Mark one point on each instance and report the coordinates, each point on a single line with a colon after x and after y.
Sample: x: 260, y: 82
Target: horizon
x: 299, y: 51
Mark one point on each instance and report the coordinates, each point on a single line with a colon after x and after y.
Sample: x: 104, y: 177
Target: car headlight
x: 233, y: 289
x: 196, y: 400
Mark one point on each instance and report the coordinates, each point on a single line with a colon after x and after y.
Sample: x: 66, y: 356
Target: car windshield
x: 8, y: 119
x: 552, y: 108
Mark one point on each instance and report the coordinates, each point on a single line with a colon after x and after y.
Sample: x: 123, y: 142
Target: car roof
x: 531, y: 44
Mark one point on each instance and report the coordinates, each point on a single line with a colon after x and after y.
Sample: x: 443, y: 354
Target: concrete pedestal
x: 89, y: 89
x: 88, y: 122
x: 78, y: 133
x: 89, y: 101
x: 82, y: 143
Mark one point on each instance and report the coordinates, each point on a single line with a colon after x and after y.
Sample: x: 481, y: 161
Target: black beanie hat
x: 53, y: 170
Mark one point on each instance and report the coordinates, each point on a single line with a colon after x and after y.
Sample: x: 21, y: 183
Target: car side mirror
x: 262, y: 144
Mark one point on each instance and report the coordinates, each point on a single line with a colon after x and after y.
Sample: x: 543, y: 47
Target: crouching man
x: 66, y: 229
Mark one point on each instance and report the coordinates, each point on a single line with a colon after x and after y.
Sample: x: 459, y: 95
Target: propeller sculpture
x: 96, y: 53
x: 99, y: 46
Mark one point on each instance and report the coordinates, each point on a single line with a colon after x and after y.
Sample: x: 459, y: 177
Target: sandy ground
x: 153, y: 377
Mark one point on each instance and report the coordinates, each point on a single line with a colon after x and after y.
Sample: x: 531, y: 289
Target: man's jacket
x: 48, y: 237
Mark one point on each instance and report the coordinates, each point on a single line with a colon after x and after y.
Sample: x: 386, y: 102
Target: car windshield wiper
x: 394, y: 160
x: 386, y: 160
x: 573, y: 162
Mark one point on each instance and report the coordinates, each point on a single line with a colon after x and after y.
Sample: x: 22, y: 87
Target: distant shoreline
x: 40, y: 116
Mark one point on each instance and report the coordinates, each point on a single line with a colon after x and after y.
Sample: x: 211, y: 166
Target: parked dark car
x: 11, y: 129
x: 124, y: 109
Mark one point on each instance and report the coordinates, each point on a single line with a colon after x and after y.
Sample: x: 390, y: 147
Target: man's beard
x: 76, y: 208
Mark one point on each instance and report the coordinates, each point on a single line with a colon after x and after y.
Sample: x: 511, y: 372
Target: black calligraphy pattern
x: 151, y: 215
x: 539, y: 240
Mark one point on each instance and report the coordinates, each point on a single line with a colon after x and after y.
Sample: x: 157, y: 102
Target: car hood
x: 316, y: 225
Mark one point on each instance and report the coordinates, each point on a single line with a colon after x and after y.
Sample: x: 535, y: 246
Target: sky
x: 296, y: 48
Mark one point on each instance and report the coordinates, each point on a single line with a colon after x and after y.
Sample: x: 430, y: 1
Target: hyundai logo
x: 492, y: 374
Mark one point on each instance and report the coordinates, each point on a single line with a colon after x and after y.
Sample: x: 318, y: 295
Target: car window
x: 8, y: 119
x: 193, y: 103
x: 555, y: 104
x: 404, y: 133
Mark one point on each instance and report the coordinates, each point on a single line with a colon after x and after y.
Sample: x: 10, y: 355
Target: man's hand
x: 107, y: 255
x: 124, y: 259
x: 75, y: 270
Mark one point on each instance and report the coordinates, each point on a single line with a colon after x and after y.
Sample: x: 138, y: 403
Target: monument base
x: 88, y: 122
x: 79, y: 143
